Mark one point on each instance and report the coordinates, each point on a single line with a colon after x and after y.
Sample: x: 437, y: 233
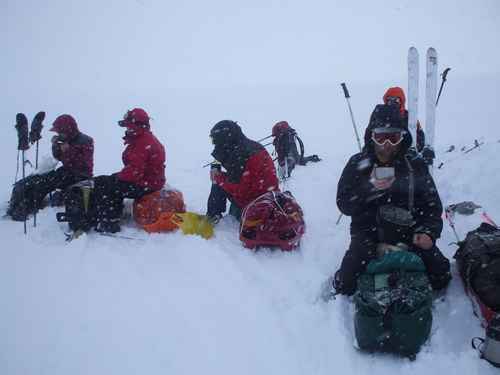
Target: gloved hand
x: 428, y: 154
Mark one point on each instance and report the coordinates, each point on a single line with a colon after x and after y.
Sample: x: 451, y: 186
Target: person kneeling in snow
x: 143, y: 171
x: 74, y: 150
x: 383, y: 175
x: 250, y: 171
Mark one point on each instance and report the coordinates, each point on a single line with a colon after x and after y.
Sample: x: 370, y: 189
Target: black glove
x: 36, y: 127
x: 22, y: 132
x: 428, y: 155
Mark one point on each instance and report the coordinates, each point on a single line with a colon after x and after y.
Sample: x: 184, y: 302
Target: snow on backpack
x: 80, y: 208
x: 393, y: 304
x: 273, y: 219
x: 153, y: 212
x: 478, y: 261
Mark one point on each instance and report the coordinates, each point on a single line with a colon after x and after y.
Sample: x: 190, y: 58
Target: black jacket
x: 358, y: 198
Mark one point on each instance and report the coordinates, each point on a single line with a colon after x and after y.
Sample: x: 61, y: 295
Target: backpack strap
x: 301, y: 145
x: 411, y: 185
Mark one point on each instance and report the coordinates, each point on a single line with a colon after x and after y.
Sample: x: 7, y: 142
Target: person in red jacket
x: 74, y: 150
x: 250, y: 171
x: 143, y: 171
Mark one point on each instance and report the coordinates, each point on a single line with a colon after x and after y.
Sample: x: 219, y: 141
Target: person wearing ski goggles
x: 384, y: 175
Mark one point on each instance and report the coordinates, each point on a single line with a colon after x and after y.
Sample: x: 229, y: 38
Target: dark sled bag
x: 79, y: 202
x: 478, y: 261
x: 393, y: 305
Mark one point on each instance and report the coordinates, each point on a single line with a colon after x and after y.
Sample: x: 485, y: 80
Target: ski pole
x: 36, y: 157
x: 260, y: 140
x: 22, y: 145
x: 34, y: 137
x: 443, y: 80
x: 347, y: 97
x: 263, y: 139
x: 448, y: 214
x: 24, y: 197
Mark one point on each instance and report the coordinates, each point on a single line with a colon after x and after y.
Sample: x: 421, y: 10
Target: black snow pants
x: 363, y: 249
x: 28, y: 194
x: 109, y: 192
x: 217, y: 203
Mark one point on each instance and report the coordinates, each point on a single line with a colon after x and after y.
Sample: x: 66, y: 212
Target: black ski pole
x: 347, y: 97
x: 22, y: 145
x: 443, y: 80
x: 35, y: 136
x: 263, y: 139
x: 36, y: 132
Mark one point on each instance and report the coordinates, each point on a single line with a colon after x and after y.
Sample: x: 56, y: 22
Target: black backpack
x: 285, y: 145
x: 478, y: 260
x: 81, y: 211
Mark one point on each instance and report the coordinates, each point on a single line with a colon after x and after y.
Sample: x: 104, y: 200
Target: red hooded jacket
x: 258, y: 177
x: 144, y: 160
x: 79, y: 157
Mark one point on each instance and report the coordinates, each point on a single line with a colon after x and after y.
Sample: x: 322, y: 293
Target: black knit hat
x: 386, y: 116
x: 226, y: 132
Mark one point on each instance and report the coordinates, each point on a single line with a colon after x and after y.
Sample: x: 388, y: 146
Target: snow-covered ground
x: 174, y: 304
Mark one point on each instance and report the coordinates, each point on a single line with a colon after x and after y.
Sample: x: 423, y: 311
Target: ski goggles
x: 391, y: 100
x: 383, y: 135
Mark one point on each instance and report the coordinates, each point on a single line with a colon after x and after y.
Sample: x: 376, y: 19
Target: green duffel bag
x: 393, y: 305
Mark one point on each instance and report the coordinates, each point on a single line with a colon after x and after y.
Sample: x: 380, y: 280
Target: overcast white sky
x: 118, y: 44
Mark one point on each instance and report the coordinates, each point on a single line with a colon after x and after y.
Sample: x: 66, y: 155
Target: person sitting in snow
x: 143, y: 171
x: 384, y: 175
x: 395, y: 96
x: 250, y: 171
x: 74, y: 150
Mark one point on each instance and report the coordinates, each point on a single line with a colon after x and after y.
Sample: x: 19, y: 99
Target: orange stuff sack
x: 154, y: 211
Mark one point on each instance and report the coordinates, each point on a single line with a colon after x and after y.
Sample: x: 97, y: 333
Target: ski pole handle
x: 346, y: 92
x: 445, y: 73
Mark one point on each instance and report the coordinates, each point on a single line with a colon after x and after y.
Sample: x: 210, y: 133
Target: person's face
x: 393, y: 100
x: 387, y: 143
x: 386, y: 152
